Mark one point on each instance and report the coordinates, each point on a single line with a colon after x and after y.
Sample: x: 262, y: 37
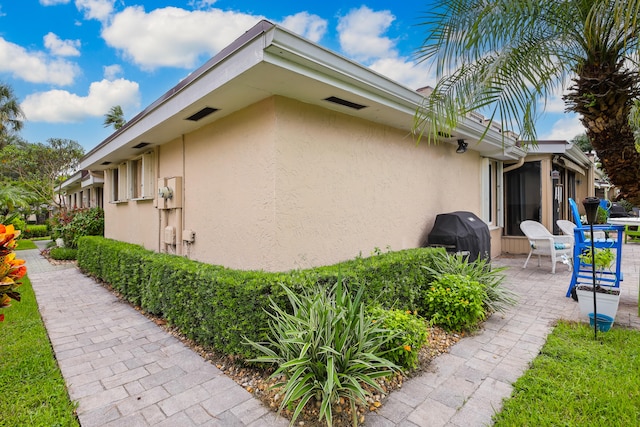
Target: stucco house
x: 278, y: 153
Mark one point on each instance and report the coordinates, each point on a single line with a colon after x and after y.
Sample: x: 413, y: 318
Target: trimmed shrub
x: 497, y: 297
x: 65, y: 254
x: 34, y: 231
x: 217, y: 306
x: 455, y: 302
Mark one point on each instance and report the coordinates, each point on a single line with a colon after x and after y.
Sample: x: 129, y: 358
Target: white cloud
x: 554, y: 104
x: 60, y: 47
x: 96, y: 9
x: 309, y: 26
x: 35, y: 67
x: 173, y: 37
x: 403, y: 70
x: 360, y: 33
x: 111, y: 72
x: 566, y: 128
x: 59, y: 106
x: 53, y: 2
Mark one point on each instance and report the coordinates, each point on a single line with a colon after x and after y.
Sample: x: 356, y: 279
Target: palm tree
x: 508, y: 56
x: 13, y: 196
x: 115, y: 118
x: 11, y: 115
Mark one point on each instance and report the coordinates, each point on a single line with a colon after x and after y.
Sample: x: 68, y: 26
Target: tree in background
x: 13, y: 196
x: 11, y: 115
x: 582, y: 141
x: 41, y: 167
x: 115, y: 118
x: 508, y: 56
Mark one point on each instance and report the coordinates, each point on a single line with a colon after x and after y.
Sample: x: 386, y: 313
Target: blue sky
x: 70, y: 61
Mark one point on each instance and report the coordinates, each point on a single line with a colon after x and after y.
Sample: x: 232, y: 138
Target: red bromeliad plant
x: 11, y: 269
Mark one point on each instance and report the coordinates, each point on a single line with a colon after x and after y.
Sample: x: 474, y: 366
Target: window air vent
x: 444, y: 134
x: 344, y: 102
x: 202, y: 114
x: 105, y: 163
x: 141, y: 145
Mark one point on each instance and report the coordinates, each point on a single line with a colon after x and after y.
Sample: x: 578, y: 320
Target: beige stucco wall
x: 132, y: 221
x: 350, y: 186
x: 282, y: 184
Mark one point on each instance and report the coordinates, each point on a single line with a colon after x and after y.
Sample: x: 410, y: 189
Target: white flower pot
x: 606, y: 304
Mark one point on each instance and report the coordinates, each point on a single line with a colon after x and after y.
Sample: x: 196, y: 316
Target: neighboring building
x: 539, y: 186
x: 84, y: 189
x: 280, y: 154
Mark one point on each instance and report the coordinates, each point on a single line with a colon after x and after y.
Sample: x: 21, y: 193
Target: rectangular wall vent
x: 202, y: 114
x: 141, y: 145
x: 105, y: 163
x: 346, y: 103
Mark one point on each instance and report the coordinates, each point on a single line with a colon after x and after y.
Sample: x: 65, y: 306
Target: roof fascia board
x: 73, y: 179
x: 292, y: 52
x: 575, y: 154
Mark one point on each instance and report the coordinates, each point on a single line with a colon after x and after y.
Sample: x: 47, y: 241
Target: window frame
x: 491, y: 189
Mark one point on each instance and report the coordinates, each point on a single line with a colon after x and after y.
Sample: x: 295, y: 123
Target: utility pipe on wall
x: 514, y: 166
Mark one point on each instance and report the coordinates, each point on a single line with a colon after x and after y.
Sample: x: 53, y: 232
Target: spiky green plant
x: 326, y: 349
x: 497, y: 298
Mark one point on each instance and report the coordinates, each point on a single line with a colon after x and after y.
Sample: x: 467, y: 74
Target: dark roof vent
x: 105, y: 163
x: 202, y: 114
x: 344, y: 102
x: 141, y: 145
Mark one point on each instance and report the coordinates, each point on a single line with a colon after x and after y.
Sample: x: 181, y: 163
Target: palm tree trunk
x: 602, y: 96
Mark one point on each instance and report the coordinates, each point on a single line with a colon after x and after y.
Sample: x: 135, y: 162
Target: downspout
x: 180, y: 210
x: 514, y: 166
x: 161, y: 246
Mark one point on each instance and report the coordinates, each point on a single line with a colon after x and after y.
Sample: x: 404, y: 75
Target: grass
x: 577, y: 380
x: 24, y: 244
x: 32, y: 391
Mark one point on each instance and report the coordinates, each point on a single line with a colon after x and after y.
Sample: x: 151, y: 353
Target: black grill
x: 461, y: 232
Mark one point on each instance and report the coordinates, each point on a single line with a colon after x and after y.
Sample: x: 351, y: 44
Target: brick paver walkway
x: 123, y: 370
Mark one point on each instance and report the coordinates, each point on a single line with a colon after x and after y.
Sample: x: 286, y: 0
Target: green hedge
x: 217, y: 306
x: 34, y: 231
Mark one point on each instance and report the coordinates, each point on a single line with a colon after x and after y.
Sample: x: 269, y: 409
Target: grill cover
x: 617, y: 211
x: 462, y: 231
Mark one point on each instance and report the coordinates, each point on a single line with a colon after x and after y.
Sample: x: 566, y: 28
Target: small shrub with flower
x: 11, y: 268
x: 409, y: 333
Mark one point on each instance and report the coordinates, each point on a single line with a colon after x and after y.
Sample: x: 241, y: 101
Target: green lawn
x: 25, y: 244
x: 32, y: 391
x: 579, y: 381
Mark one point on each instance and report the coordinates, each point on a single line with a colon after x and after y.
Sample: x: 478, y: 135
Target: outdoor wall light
x: 462, y: 146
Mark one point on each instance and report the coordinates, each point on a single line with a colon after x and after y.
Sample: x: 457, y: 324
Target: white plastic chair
x: 542, y: 242
x: 567, y: 227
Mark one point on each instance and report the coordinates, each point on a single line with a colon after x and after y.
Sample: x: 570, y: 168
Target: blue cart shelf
x: 582, y: 273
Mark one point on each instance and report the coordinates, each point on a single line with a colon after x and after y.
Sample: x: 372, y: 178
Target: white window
x: 492, y: 200
x: 141, y: 177
x: 118, y: 183
x: 133, y: 180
